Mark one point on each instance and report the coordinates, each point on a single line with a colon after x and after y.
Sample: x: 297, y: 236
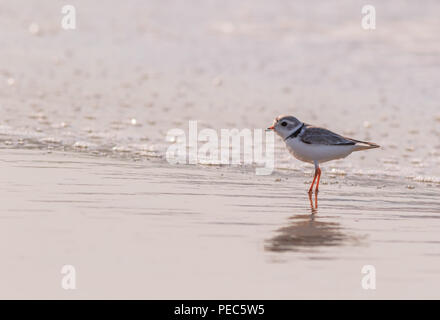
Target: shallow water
x: 82, y: 143
x: 152, y: 230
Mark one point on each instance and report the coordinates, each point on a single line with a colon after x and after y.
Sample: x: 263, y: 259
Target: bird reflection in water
x: 308, y: 231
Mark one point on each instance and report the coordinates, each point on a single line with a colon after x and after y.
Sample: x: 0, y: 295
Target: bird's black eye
x: 284, y: 123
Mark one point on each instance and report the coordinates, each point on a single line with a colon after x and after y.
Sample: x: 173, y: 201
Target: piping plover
x: 315, y: 145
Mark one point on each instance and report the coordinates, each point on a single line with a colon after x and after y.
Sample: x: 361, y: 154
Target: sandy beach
x: 85, y: 179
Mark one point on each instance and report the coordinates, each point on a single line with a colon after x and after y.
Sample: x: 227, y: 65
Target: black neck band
x: 296, y: 133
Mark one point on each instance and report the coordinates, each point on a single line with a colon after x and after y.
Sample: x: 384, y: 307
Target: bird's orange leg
x: 313, y: 182
x: 317, y: 182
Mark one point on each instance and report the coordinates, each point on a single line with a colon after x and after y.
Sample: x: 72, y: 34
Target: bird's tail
x: 364, y: 145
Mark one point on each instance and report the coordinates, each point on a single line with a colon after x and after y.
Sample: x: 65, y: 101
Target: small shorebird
x: 315, y: 145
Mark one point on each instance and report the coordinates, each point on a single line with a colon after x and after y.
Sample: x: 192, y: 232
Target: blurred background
x: 133, y: 70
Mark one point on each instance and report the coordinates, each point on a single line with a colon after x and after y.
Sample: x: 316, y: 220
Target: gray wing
x: 315, y: 135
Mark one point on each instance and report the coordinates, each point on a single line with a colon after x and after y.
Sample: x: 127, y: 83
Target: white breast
x: 317, y: 152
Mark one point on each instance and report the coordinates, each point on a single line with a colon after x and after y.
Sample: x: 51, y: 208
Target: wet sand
x: 150, y: 230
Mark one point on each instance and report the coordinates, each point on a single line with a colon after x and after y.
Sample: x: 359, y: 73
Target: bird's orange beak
x: 270, y: 128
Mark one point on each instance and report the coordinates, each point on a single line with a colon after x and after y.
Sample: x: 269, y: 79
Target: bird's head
x: 285, y: 125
